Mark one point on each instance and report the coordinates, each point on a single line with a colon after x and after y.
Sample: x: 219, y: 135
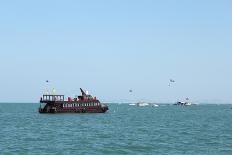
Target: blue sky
x: 109, y: 47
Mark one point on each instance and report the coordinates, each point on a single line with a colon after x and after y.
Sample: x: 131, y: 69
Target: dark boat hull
x: 72, y: 108
x: 73, y: 111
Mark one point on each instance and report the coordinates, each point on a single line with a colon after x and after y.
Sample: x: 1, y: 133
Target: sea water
x: 124, y: 129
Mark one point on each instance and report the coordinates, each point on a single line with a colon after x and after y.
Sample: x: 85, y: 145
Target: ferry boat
x: 84, y: 103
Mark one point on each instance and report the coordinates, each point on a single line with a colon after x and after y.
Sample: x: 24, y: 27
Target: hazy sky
x: 110, y: 47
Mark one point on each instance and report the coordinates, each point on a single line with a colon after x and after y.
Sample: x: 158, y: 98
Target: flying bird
x: 171, y: 80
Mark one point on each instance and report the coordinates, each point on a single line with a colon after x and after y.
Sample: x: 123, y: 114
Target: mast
x: 83, y: 92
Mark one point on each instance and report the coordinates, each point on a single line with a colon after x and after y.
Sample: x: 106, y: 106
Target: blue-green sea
x: 124, y: 129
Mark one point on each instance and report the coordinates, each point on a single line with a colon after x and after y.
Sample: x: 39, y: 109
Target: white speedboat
x: 188, y: 103
x: 142, y: 104
x: 154, y: 105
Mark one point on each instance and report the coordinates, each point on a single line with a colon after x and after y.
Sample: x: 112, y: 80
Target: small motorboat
x: 154, y: 105
x: 142, y: 104
x: 184, y: 103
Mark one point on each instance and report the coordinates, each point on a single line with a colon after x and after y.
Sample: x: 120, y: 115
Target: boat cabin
x: 52, y: 98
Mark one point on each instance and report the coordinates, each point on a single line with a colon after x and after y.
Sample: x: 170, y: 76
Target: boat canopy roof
x: 53, y: 98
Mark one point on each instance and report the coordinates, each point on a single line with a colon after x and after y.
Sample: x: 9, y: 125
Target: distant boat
x: 184, y: 103
x: 142, y: 104
x: 133, y: 104
x: 154, y: 105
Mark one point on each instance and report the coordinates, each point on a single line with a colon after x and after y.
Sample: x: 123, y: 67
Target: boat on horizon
x: 142, y: 104
x: 154, y: 105
x: 84, y: 103
x: 183, y: 103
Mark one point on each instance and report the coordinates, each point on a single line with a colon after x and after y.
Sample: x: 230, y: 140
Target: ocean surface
x: 124, y: 129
